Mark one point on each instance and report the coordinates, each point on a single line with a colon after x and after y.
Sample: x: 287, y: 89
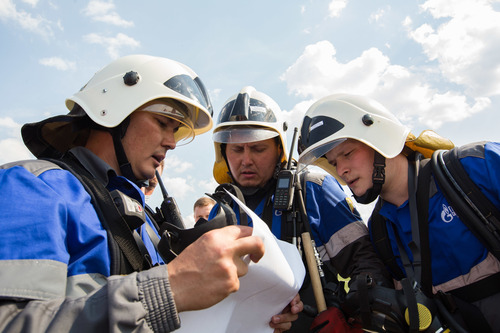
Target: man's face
x: 202, y: 212
x: 354, y: 163
x: 148, y: 138
x: 252, y: 164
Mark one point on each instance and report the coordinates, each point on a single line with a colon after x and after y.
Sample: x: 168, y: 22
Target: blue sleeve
x: 41, y: 219
x: 486, y: 172
x: 329, y: 209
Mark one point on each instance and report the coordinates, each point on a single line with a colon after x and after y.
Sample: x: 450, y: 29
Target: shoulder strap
x: 220, y: 194
x: 381, y: 242
x: 474, y: 209
x: 423, y: 194
x: 111, y: 219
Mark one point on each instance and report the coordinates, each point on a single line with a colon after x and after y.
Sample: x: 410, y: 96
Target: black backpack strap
x: 423, y: 194
x: 474, y: 209
x: 111, y: 219
x: 220, y: 194
x: 381, y: 242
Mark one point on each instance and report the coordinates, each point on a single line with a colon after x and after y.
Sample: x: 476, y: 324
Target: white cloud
x: 294, y: 119
x: 38, y: 24
x: 112, y: 44
x: 13, y: 150
x: 11, y: 144
x: 207, y: 186
x: 9, y: 123
x: 466, y: 45
x: 9, y: 128
x: 178, y: 187
x: 33, y: 3
x: 175, y: 165
x: 104, y: 12
x: 318, y: 73
x: 335, y: 7
x: 58, y: 63
x: 376, y: 16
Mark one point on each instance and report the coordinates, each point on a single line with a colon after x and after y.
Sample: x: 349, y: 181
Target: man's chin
x: 248, y: 183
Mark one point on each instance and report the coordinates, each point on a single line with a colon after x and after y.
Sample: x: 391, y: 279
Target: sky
x: 434, y: 63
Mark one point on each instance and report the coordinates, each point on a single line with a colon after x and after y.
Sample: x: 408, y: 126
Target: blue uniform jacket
x: 54, y: 251
x: 457, y: 256
x: 335, y: 224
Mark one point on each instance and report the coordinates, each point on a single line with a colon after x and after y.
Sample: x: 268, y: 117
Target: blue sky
x: 434, y: 63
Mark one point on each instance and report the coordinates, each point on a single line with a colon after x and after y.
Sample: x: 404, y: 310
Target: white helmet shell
x: 115, y: 92
x: 120, y: 88
x: 338, y: 117
x: 247, y: 116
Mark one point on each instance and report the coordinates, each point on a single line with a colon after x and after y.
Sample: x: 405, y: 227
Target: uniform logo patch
x: 447, y: 214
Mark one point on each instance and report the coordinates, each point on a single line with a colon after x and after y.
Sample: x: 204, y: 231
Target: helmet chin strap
x: 378, y: 179
x: 118, y: 133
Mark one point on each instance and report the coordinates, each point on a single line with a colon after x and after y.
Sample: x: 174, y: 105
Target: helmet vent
x: 367, y: 120
x: 131, y: 78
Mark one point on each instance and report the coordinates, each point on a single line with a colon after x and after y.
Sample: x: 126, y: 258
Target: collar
x: 94, y: 164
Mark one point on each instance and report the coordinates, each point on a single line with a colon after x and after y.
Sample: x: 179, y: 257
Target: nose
x: 341, y: 168
x: 169, y: 139
x: 246, y: 158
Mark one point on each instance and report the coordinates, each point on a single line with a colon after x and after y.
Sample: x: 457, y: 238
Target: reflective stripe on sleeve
x: 32, y: 279
x: 489, y: 266
x: 344, y: 237
x: 83, y: 284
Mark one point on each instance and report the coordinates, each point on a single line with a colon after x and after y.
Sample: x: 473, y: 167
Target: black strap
x: 423, y: 188
x: 415, y: 244
x: 479, y: 289
x: 408, y: 283
x: 220, y: 192
x: 471, y: 205
x: 109, y: 215
x: 381, y: 242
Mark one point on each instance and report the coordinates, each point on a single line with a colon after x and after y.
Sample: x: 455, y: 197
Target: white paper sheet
x: 264, y: 291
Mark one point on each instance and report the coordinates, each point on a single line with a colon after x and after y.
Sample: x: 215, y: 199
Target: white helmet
x: 248, y: 116
x: 338, y: 117
x: 116, y: 91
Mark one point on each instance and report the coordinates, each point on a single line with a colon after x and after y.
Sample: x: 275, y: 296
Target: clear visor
x: 309, y: 157
x: 185, y: 133
x: 243, y: 135
x: 191, y: 88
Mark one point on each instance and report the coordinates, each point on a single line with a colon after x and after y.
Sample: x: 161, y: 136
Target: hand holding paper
x: 264, y: 291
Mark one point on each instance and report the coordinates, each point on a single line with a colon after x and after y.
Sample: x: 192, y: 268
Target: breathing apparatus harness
x: 476, y: 212
x: 120, y: 215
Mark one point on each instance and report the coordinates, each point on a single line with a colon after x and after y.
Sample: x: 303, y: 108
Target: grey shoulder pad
x: 475, y: 149
x: 36, y: 167
x: 315, y: 177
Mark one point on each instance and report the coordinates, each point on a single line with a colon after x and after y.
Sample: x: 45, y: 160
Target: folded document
x: 265, y: 290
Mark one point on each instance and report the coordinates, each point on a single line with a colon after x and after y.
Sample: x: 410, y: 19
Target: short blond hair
x: 203, y: 201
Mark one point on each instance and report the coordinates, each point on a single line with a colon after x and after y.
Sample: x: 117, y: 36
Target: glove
x: 332, y: 320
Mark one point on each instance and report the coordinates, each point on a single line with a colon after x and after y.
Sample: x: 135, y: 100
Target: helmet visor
x: 191, y: 88
x: 309, y: 157
x: 171, y: 109
x: 244, y: 108
x: 238, y: 134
